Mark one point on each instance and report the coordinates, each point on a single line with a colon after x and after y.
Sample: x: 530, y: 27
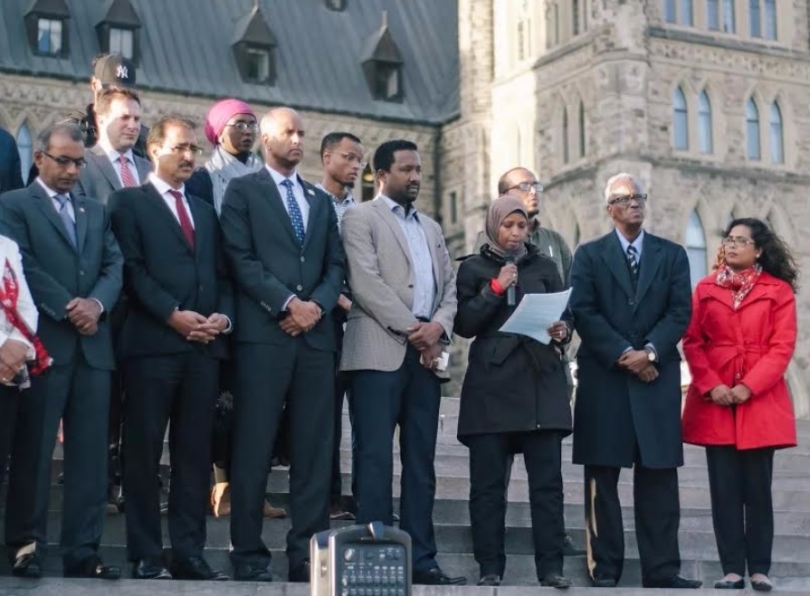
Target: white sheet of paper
x: 535, y: 314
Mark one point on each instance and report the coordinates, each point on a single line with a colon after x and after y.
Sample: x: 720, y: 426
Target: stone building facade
x: 704, y: 100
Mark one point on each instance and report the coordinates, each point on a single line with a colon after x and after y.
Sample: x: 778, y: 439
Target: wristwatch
x: 650, y: 353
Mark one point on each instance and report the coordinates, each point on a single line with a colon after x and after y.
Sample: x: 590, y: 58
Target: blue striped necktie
x: 295, y: 212
x: 64, y: 214
x: 632, y: 261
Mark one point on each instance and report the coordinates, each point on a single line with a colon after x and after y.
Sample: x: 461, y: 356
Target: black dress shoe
x: 603, y: 582
x: 94, y: 568
x: 196, y: 568
x: 251, y: 573
x: 761, y: 586
x: 490, y: 580
x: 676, y: 582
x: 727, y: 584
x: 150, y: 569
x: 569, y: 550
x: 555, y: 580
x: 300, y: 573
x: 28, y: 566
x: 436, y: 577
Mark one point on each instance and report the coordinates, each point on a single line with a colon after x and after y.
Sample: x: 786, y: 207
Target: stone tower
x: 704, y: 100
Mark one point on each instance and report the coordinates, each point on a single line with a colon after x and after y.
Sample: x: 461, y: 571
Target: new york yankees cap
x: 115, y: 70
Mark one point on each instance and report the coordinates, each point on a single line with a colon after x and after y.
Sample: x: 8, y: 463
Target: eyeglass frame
x: 243, y: 126
x: 624, y: 200
x: 351, y: 158
x: 65, y: 161
x: 193, y: 149
x: 734, y: 241
x: 537, y: 186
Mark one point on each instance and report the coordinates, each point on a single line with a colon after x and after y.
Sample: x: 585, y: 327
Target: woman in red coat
x: 738, y: 346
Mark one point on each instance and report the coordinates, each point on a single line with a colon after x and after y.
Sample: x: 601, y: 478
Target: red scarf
x: 739, y: 284
x: 9, y: 292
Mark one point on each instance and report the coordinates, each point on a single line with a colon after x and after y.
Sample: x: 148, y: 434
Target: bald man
x: 282, y: 240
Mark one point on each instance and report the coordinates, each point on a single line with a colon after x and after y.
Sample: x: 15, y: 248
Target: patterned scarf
x: 739, y: 284
x: 223, y: 167
x: 9, y: 292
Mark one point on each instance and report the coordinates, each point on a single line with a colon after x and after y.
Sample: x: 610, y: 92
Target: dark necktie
x: 295, y: 212
x: 632, y: 262
x: 127, y: 177
x: 64, y: 215
x: 182, y: 215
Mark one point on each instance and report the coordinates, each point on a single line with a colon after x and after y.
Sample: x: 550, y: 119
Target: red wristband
x: 496, y: 287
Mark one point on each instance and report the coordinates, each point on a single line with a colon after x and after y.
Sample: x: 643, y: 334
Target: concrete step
x: 78, y: 587
x: 695, y: 543
x: 520, y: 571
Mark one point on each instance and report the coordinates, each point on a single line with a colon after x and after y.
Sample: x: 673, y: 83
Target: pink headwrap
x: 220, y: 113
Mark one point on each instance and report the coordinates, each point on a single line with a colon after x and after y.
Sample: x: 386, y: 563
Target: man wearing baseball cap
x: 110, y: 71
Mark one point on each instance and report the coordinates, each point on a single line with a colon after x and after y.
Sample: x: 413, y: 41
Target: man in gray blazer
x: 111, y: 164
x: 73, y: 267
x: 404, y: 292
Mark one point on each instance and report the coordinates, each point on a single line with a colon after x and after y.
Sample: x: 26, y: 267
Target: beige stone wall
x: 623, y: 69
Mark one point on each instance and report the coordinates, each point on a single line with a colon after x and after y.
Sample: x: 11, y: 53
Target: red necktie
x: 182, y: 215
x: 126, y: 174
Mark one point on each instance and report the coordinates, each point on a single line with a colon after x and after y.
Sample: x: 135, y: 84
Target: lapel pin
x: 311, y: 192
x: 81, y: 209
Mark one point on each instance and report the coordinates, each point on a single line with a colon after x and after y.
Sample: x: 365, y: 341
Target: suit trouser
x: 490, y: 456
x: 79, y: 396
x: 409, y: 397
x: 657, y: 512
x: 342, y: 386
x: 9, y: 405
x: 742, y: 508
x: 266, y: 375
x: 182, y: 388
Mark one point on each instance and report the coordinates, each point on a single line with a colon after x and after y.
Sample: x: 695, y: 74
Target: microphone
x: 509, y: 259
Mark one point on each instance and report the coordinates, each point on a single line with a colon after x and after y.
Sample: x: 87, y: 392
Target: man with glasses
x: 179, y: 310
x: 631, y: 302
x: 342, y: 158
x: 74, y: 270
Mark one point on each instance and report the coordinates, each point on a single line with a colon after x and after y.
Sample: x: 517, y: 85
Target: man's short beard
x: 348, y: 184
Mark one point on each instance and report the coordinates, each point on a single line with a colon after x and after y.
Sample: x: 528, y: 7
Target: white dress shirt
x: 52, y: 194
x: 163, y: 189
x: 9, y: 251
x: 298, y: 193
x: 115, y: 157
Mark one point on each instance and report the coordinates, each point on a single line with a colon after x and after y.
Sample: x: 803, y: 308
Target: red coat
x: 752, y: 346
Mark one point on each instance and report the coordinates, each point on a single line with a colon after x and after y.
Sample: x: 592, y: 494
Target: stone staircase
x: 791, y: 556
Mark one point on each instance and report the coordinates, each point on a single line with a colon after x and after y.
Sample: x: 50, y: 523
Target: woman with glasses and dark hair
x: 738, y: 345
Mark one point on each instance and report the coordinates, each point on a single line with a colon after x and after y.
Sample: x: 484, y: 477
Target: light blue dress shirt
x: 424, y: 283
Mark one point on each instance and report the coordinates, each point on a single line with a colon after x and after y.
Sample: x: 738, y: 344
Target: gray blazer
x: 98, y: 180
x: 381, y: 279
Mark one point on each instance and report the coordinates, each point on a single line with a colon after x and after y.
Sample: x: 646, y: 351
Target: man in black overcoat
x: 631, y: 302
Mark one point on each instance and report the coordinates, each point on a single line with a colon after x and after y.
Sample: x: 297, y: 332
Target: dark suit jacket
x: 614, y: 409
x: 98, y: 180
x: 56, y: 273
x: 10, y: 174
x: 162, y: 272
x: 269, y: 265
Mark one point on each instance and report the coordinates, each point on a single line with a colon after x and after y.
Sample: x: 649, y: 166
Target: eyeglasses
x: 732, y: 241
x: 527, y: 186
x: 186, y: 148
x: 67, y: 161
x: 624, y: 201
x: 353, y: 158
x: 243, y: 126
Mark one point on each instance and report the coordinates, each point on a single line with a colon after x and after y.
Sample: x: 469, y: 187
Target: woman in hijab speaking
x: 514, y: 398
x: 739, y: 343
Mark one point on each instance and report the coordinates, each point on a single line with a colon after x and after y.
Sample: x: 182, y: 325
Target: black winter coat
x: 513, y: 383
